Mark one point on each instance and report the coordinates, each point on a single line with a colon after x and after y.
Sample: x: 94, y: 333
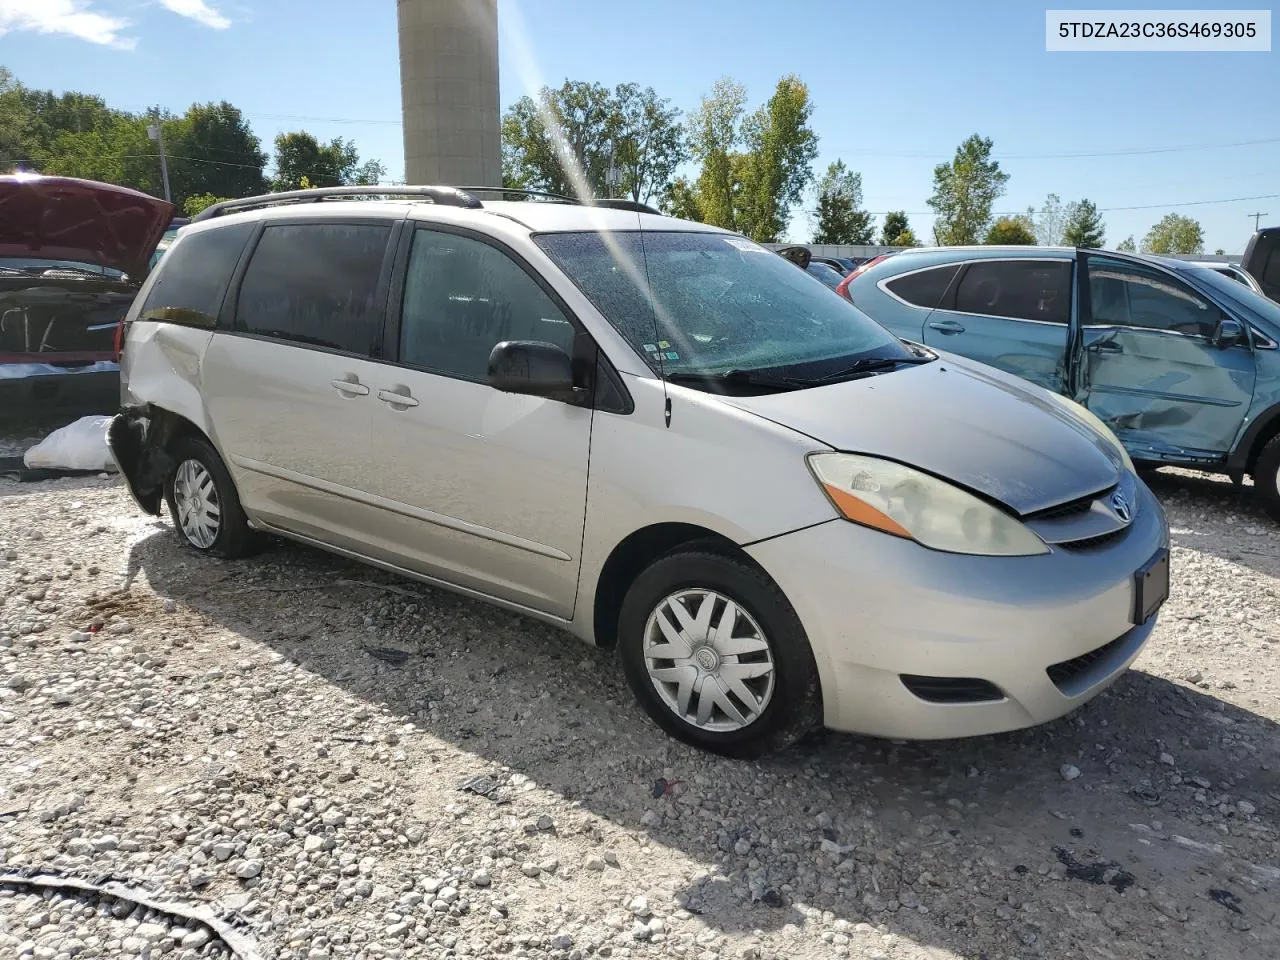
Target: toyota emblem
x: 1120, y: 504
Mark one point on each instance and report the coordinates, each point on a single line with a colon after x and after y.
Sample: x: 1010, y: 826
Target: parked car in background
x: 170, y: 233
x: 843, y: 288
x: 1178, y: 360
x: 835, y: 264
x: 1262, y: 260
x: 1238, y: 274
x: 643, y: 436
x: 815, y: 267
x: 72, y: 256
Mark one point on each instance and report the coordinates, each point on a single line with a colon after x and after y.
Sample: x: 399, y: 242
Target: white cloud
x: 197, y: 10
x: 72, y: 18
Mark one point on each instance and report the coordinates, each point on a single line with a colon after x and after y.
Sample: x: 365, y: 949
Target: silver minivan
x: 655, y: 434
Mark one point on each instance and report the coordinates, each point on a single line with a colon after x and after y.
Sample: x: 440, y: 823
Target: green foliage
x: 212, y: 150
x: 777, y: 164
x: 300, y: 154
x: 1219, y: 252
x: 1084, y: 226
x: 680, y: 199
x: 841, y: 218
x: 565, y: 141
x: 1049, y: 222
x: 1174, y: 234
x: 1127, y: 245
x: 1012, y: 230
x: 713, y: 139
x: 895, y: 229
x: 198, y: 202
x: 964, y: 191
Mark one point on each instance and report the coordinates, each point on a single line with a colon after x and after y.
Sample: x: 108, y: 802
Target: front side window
x: 1017, y: 289
x: 314, y: 284
x: 462, y: 297
x: 191, y: 284
x: 923, y: 288
x: 1131, y: 295
x: 714, y: 303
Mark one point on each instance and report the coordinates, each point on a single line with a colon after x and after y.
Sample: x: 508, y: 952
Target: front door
x: 1013, y: 314
x: 289, y: 387
x: 1151, y: 369
x: 481, y: 488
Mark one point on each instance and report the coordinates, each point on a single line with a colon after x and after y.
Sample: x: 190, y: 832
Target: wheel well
x: 631, y: 556
x: 141, y: 440
x: 1269, y: 433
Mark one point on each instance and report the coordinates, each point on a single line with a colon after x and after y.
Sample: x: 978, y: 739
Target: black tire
x: 234, y: 538
x: 1266, y: 477
x: 795, y: 707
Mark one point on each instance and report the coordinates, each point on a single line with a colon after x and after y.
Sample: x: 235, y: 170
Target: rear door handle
x: 349, y: 387
x: 396, y: 399
x: 1106, y: 346
x: 947, y: 326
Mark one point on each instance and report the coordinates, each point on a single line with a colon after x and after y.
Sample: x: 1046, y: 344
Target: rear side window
x: 1018, y: 289
x: 924, y: 288
x: 316, y: 284
x: 194, y: 275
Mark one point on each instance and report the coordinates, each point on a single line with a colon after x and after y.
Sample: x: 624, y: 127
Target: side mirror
x: 1230, y: 333
x: 533, y: 367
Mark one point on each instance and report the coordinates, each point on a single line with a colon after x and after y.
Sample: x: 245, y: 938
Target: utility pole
x: 1256, y: 218
x: 156, y: 133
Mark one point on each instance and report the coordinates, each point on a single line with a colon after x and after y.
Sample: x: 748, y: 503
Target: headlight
x: 1091, y: 420
x: 907, y: 503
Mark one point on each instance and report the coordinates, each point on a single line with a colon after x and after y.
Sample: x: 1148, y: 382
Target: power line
x: 933, y: 154
x: 1145, y: 206
x: 135, y: 156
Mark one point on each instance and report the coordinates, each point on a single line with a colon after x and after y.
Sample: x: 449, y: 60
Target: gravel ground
x: 285, y: 738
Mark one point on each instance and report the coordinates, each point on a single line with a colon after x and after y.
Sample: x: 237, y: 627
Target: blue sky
x: 896, y: 86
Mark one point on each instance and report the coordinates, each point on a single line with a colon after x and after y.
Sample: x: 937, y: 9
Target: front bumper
x: 877, y: 607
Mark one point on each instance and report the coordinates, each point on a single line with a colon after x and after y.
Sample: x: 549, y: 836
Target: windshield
x: 1240, y: 295
x: 715, y: 303
x: 36, y: 266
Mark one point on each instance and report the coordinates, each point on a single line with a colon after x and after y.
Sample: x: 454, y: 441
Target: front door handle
x: 1106, y: 346
x: 349, y: 386
x: 947, y: 326
x: 399, y: 399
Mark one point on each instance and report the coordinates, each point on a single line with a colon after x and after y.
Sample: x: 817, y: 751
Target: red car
x: 72, y: 256
x: 843, y: 288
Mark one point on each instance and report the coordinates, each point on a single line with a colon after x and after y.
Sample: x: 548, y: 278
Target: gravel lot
x: 284, y: 739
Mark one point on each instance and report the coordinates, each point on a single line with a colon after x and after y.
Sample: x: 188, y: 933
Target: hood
x: 970, y: 424
x: 62, y: 218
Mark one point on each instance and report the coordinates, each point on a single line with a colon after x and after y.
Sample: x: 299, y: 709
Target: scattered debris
x: 1227, y: 899
x: 1098, y: 873
x: 487, y: 787
x: 389, y: 655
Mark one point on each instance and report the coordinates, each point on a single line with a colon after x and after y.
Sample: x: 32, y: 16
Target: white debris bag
x: 77, y: 446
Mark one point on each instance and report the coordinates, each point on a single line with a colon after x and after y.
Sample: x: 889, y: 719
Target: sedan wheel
x: 709, y: 660
x: 203, y: 501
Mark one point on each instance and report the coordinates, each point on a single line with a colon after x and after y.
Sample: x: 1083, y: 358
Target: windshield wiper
x: 735, y: 377
x: 868, y: 365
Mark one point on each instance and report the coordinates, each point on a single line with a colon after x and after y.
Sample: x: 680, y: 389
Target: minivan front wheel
x: 203, y: 503
x: 1266, y: 477
x: 716, y: 656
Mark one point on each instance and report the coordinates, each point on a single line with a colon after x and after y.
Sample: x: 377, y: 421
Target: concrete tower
x: 449, y: 91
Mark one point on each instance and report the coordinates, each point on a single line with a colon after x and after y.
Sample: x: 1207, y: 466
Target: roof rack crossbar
x: 446, y: 196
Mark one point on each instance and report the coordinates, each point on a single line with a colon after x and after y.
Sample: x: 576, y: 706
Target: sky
x: 896, y: 87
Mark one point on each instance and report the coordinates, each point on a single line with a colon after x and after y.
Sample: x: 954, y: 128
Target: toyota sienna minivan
x: 654, y: 433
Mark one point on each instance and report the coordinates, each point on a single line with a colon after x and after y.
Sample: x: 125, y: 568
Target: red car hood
x: 62, y: 218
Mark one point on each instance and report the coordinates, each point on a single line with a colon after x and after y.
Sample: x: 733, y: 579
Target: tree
x: 561, y: 142
x: 1174, y: 234
x: 198, y: 202
x: 964, y: 191
x: 213, y: 151
x: 369, y: 173
x: 1219, y: 252
x: 776, y: 166
x: 12, y: 119
x: 680, y: 199
x: 895, y: 228
x: 1084, y: 226
x: 1049, y: 222
x: 300, y: 155
x: 713, y: 135
x: 1127, y: 245
x: 1012, y: 230
x: 841, y: 218
x: 650, y: 141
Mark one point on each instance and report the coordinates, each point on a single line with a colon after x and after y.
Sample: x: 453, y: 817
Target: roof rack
x: 446, y: 196
x: 605, y: 202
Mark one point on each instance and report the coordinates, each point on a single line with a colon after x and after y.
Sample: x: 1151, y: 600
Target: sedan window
x: 1018, y: 289
x: 923, y: 288
x: 1131, y: 295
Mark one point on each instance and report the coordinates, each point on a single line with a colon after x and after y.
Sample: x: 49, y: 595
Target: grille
x: 1072, y: 508
x: 1089, y: 543
x: 1068, y: 671
x: 951, y: 689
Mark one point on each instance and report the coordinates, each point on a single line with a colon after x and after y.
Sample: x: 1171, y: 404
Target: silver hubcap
x: 708, y: 660
x: 196, y: 497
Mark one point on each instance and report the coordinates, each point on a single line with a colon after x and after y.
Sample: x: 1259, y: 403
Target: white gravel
x: 289, y: 748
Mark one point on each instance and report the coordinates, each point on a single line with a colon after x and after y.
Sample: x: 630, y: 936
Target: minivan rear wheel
x: 1266, y: 477
x: 203, y: 502
x: 716, y: 655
